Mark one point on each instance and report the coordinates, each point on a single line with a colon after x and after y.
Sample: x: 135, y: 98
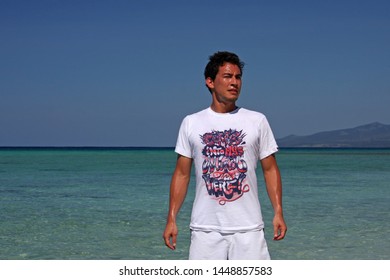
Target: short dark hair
x: 218, y: 59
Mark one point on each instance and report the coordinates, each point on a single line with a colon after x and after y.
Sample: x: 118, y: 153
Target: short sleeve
x: 183, y: 146
x: 268, y: 145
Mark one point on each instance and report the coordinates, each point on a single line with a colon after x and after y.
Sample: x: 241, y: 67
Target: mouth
x: 233, y: 91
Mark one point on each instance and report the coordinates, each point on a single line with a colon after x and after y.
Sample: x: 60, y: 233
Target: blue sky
x: 125, y: 73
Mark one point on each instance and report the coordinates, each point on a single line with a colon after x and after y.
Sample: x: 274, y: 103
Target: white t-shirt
x: 226, y: 149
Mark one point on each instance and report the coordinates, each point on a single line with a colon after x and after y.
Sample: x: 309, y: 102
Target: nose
x: 234, y: 81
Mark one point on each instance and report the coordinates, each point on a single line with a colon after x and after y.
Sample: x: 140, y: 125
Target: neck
x: 223, y: 107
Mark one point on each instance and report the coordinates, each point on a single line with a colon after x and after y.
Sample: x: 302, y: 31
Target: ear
x: 209, y: 83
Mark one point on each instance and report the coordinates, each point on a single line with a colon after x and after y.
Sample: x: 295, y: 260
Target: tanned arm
x: 178, y: 192
x: 273, y: 183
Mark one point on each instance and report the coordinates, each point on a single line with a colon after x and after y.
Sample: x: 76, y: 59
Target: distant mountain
x: 374, y: 135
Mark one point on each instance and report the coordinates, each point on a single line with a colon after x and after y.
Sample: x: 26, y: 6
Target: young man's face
x: 227, y: 83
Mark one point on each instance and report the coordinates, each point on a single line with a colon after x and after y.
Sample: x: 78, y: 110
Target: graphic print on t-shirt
x: 224, y: 168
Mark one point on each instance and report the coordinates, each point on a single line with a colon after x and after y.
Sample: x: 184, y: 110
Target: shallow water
x: 112, y: 204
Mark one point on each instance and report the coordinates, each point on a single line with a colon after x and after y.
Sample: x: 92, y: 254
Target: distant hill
x: 374, y: 135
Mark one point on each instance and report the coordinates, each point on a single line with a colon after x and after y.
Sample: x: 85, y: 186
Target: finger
x: 278, y: 237
x: 283, y: 233
x: 279, y: 234
x: 168, y: 243
x: 276, y: 232
x: 174, y: 241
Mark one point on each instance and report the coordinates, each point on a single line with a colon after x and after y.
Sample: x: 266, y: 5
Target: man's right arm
x: 178, y: 191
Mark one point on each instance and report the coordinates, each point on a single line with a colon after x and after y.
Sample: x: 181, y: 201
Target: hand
x: 280, y: 227
x: 170, y: 235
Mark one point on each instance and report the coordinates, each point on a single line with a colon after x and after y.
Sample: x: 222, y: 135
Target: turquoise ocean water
x: 112, y: 204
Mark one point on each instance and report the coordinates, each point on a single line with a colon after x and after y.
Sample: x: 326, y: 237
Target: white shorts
x: 211, y: 245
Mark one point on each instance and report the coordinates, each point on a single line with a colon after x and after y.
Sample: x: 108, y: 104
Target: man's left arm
x: 273, y: 183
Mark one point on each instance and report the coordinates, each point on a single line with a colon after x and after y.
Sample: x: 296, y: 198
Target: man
x: 226, y: 143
